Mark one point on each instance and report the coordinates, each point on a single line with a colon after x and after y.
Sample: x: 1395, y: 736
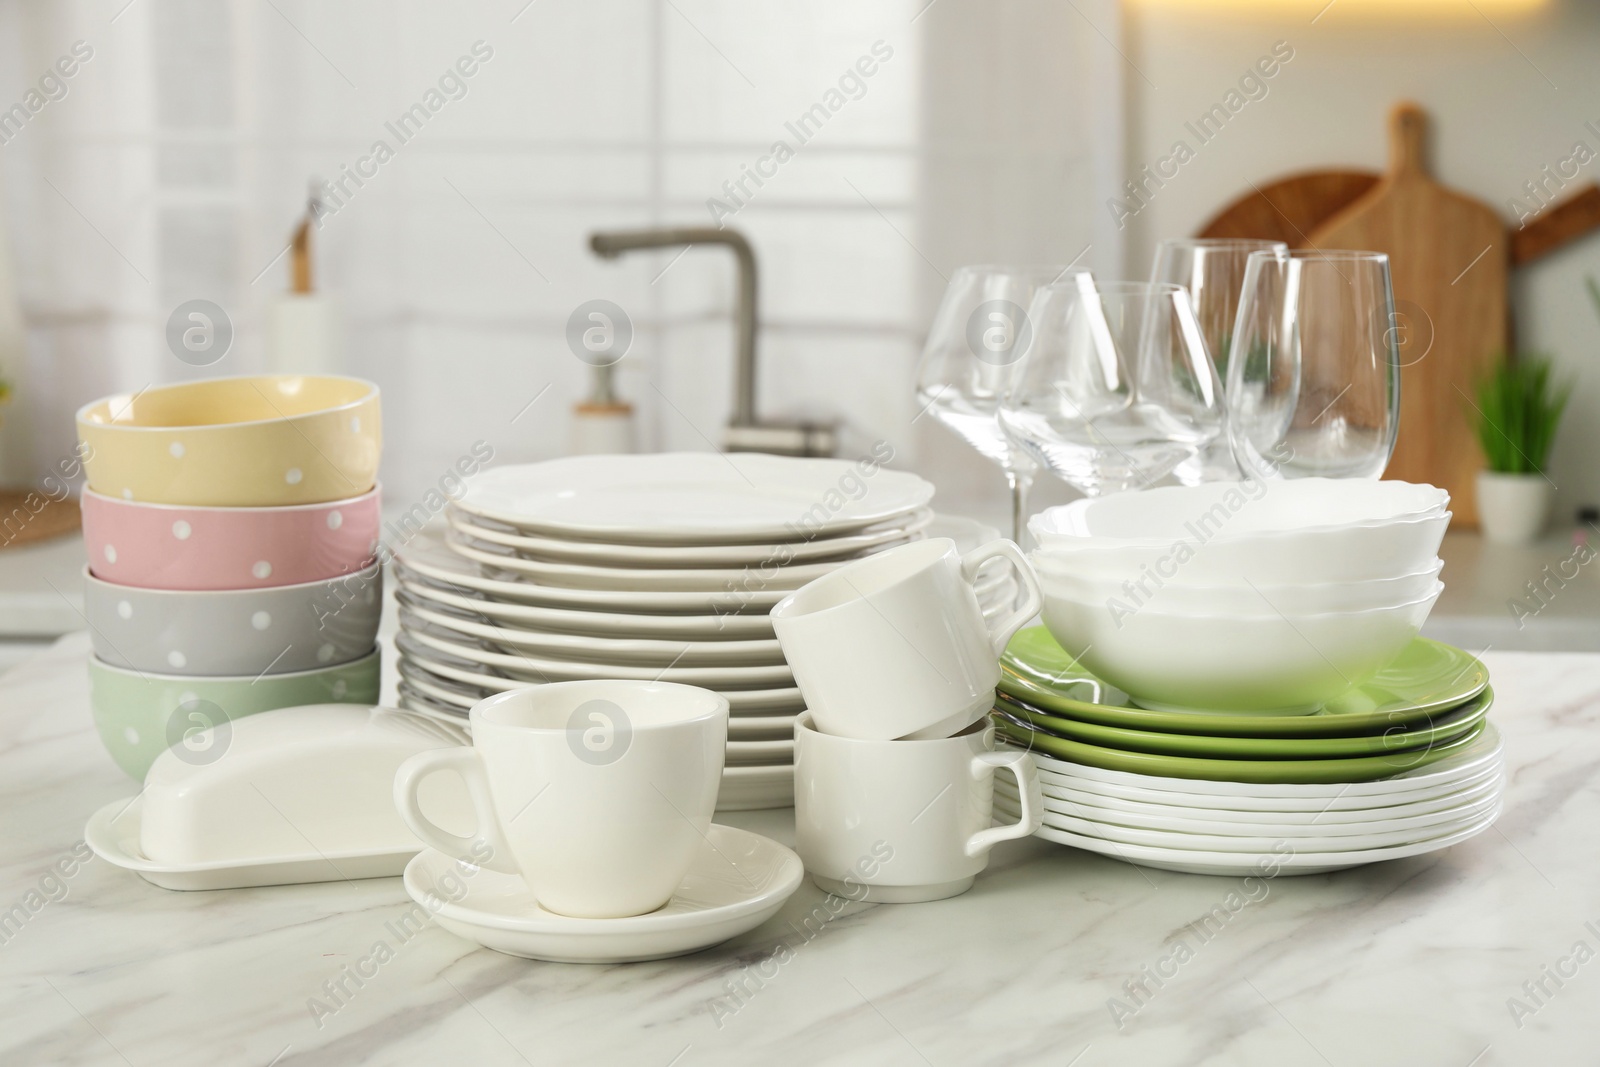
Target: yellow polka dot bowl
x: 254, y: 441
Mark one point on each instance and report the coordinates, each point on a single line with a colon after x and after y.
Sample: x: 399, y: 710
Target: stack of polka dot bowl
x: 232, y: 529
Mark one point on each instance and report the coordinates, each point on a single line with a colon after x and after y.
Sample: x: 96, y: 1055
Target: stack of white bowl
x: 653, y: 567
x: 1248, y: 596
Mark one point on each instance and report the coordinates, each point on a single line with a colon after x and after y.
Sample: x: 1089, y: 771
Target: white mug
x: 903, y: 821
x: 895, y: 644
x: 597, y: 793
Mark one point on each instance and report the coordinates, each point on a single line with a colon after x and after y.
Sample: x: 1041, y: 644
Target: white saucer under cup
x: 598, y: 794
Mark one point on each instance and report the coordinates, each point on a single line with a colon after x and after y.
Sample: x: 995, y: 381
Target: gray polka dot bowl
x: 177, y: 546
x: 142, y: 714
x: 252, y: 632
x: 235, y: 442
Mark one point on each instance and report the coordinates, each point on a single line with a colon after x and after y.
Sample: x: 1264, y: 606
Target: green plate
x: 1428, y: 678
x: 1260, y: 771
x: 1445, y: 728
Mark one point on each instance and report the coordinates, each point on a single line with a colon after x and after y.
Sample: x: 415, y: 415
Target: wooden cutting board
x: 1448, y: 256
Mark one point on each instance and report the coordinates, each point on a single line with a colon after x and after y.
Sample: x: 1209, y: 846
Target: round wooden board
x: 28, y: 516
x: 1290, y: 208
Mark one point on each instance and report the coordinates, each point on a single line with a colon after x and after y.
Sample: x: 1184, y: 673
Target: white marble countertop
x: 1410, y: 962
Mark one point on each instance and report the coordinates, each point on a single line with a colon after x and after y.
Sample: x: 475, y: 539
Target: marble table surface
x: 1483, y: 954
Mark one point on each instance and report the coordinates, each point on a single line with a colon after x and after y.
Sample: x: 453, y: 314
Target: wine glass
x: 1117, y: 388
x: 1314, y: 372
x: 978, y: 335
x: 1212, y: 270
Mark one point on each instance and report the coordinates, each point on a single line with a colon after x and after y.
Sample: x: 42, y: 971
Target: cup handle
x: 488, y: 848
x: 1001, y: 635
x: 1020, y: 764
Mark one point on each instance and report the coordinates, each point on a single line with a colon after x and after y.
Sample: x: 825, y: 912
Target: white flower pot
x: 1513, y: 507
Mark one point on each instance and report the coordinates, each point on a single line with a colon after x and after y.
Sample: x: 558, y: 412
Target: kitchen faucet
x: 745, y: 432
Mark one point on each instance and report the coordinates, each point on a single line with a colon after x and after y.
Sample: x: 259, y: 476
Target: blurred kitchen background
x: 174, y: 163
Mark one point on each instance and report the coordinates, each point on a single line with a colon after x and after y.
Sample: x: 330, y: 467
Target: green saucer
x: 1260, y: 771
x: 1424, y: 680
x: 1444, y: 728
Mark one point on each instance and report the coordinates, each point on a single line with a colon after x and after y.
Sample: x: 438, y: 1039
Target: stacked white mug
x: 895, y: 757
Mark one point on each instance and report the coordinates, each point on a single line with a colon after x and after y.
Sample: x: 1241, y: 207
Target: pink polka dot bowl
x: 171, y: 546
x: 249, y: 632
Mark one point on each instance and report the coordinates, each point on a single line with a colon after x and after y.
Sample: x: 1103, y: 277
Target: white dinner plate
x: 1248, y: 837
x: 740, y: 728
x: 725, y: 627
x: 532, y: 668
x: 427, y: 555
x: 738, y: 880
x: 113, y: 835
x: 1481, y: 752
x: 605, y: 554
x: 639, y: 579
x: 696, y: 498
x: 1286, y: 860
x: 761, y: 753
x: 768, y: 700
x: 646, y: 652
x: 1115, y: 809
x: 756, y: 787
x: 1355, y: 804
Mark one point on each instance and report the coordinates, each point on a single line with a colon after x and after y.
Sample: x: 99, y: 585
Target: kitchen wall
x: 1510, y: 88
x: 177, y: 163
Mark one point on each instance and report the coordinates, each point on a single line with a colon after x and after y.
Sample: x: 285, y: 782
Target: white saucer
x: 113, y: 834
x: 737, y: 882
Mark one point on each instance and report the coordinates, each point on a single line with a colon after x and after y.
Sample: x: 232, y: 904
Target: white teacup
x: 903, y: 821
x: 895, y: 645
x: 597, y: 793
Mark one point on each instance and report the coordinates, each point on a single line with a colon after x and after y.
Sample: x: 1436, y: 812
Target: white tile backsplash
x: 190, y: 138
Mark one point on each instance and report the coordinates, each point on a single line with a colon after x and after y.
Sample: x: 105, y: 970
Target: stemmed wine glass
x: 979, y: 333
x: 1117, y: 388
x: 1314, y: 372
x: 1212, y: 271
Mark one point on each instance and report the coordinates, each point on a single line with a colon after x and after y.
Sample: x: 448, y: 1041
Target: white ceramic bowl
x: 1283, y: 663
x: 1305, y: 557
x: 1219, y: 512
x: 1184, y: 598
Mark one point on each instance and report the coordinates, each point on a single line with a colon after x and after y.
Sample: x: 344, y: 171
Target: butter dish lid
x: 313, y: 780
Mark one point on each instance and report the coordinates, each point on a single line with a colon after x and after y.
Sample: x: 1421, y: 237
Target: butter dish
x: 300, y: 794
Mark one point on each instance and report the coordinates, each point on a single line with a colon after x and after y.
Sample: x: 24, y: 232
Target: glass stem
x: 1019, y: 481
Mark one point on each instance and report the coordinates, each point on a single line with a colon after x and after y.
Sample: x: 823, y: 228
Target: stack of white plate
x: 1232, y: 828
x: 657, y: 567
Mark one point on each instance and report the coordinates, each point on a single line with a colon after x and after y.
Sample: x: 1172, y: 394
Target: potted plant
x: 1519, y: 407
